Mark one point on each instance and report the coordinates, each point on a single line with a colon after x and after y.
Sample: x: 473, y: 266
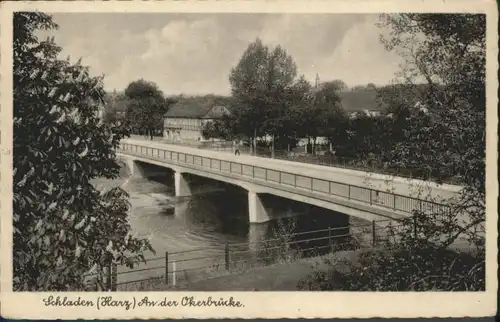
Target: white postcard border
x: 256, y: 304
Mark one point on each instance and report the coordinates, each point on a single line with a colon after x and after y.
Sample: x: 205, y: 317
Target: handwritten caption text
x: 103, y: 302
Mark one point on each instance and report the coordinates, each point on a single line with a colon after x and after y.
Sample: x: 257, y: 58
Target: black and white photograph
x: 249, y: 151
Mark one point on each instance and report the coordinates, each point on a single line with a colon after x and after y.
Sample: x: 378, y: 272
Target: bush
x: 418, y: 269
x: 63, y: 227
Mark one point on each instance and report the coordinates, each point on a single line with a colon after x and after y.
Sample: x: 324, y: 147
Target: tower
x: 316, y: 83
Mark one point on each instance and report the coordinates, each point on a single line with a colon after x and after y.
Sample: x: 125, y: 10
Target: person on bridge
x: 236, y: 148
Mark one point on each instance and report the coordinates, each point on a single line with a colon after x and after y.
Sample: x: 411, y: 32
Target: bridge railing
x: 300, y: 183
x: 308, y: 158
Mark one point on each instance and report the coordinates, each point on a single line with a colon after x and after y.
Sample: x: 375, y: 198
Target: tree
x: 108, y: 113
x: 370, y: 138
x: 146, y: 107
x: 258, y: 83
x: 358, y: 88
x: 445, y: 132
x: 113, y: 104
x: 224, y: 128
x: 443, y: 136
x: 298, y: 99
x: 371, y: 87
x: 454, y: 91
x: 320, y: 113
x: 281, y: 79
x: 143, y: 89
x: 340, y: 85
x: 63, y: 226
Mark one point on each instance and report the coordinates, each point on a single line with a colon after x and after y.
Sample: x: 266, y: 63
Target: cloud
x: 362, y: 57
x: 194, y: 53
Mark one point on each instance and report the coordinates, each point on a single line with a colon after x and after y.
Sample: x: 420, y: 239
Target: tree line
x: 269, y: 99
x: 144, y: 106
x: 445, y: 134
x: 433, y: 125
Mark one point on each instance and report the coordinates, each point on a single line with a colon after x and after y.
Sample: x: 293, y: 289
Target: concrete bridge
x: 365, y: 195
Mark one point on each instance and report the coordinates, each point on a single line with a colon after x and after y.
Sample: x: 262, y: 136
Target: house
x: 185, y: 119
x: 358, y: 103
x: 355, y: 103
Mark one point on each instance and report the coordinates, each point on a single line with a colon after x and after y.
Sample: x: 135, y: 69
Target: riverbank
x: 276, y: 277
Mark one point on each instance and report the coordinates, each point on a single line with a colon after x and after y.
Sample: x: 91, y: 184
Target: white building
x: 186, y: 118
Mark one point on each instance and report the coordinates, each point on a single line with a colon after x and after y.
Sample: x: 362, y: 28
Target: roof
x: 360, y: 101
x: 215, y: 112
x: 354, y: 101
x: 203, y: 107
x: 196, y: 107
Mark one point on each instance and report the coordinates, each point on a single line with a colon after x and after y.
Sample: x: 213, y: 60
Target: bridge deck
x: 397, y: 185
x: 298, y: 179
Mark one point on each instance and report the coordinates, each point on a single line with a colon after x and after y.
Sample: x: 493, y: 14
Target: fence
x: 324, y: 160
x: 177, y: 270
x: 299, y: 183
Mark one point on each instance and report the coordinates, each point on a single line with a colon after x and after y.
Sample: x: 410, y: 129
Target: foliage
x: 340, y: 85
x: 143, y: 89
x: 279, y: 248
x: 63, y: 226
x: 259, y: 83
x: 109, y: 113
x: 113, y: 104
x: 367, y: 137
x: 359, y: 88
x: 328, y: 116
x: 271, y: 100
x: 315, y: 111
x: 421, y: 268
x: 371, y: 87
x: 440, y: 128
x: 446, y: 133
x: 223, y: 128
x: 412, y: 260
x: 284, y: 121
x: 146, y: 107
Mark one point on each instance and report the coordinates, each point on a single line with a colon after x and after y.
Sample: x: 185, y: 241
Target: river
x: 205, y: 222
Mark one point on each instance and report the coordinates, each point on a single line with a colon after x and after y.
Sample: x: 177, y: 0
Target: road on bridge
x: 403, y: 186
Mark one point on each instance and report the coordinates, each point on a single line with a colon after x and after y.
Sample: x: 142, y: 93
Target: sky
x: 192, y: 53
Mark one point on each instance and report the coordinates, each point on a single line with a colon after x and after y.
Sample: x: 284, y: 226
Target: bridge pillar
x: 182, y: 188
x: 136, y: 170
x: 256, y: 210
